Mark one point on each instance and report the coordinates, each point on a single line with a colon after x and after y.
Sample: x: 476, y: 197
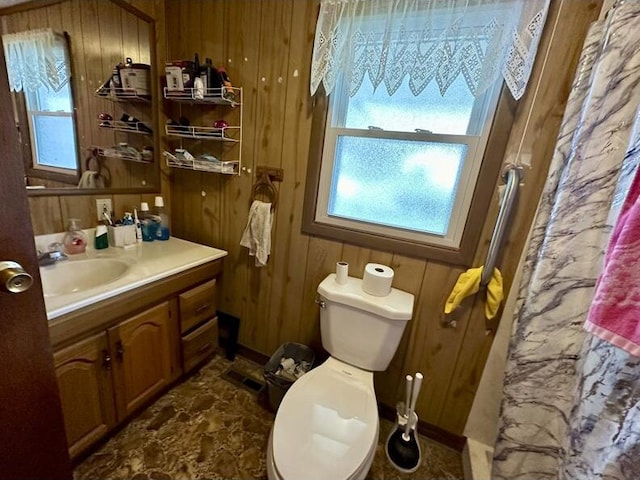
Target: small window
x: 405, y: 169
x: 51, y: 123
x: 403, y: 166
x: 39, y: 73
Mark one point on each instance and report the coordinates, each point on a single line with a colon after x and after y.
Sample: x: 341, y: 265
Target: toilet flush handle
x: 320, y: 302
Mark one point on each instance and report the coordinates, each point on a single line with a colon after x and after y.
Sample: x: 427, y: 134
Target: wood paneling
x: 266, y: 48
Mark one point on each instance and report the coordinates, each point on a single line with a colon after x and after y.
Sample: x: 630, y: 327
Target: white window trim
x: 464, y: 192
x: 34, y: 148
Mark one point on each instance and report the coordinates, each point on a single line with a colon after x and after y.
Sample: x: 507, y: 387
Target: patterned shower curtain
x: 571, y: 402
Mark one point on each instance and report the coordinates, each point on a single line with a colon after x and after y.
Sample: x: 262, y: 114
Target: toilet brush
x: 403, y: 447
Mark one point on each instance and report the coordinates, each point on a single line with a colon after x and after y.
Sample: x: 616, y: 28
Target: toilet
x: 327, y: 424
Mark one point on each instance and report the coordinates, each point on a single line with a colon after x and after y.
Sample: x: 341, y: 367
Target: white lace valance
x: 427, y: 40
x: 36, y: 58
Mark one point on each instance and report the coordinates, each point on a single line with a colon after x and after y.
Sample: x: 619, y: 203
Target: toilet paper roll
x: 377, y: 279
x: 342, y: 272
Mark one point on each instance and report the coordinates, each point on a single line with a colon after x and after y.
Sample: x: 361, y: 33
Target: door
x: 83, y: 371
x: 141, y: 346
x: 32, y: 438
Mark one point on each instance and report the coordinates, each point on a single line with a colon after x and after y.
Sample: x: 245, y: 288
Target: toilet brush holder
x: 404, y: 451
x: 402, y: 446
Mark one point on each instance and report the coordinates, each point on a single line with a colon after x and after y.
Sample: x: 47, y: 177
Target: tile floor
x: 209, y: 428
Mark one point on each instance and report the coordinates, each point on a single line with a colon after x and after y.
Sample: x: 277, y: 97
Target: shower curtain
x: 571, y: 402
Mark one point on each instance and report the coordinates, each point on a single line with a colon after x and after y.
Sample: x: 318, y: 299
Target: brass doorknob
x: 13, y: 277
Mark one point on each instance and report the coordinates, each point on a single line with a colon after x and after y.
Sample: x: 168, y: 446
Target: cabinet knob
x: 106, y: 360
x: 119, y: 350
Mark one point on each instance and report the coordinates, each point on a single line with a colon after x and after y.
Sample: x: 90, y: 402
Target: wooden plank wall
x: 102, y: 34
x: 266, y: 48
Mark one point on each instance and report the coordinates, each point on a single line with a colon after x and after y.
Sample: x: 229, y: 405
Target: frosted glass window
x: 52, y: 128
x: 401, y: 167
x: 403, y: 112
x: 397, y: 183
x: 55, y: 144
x: 46, y: 100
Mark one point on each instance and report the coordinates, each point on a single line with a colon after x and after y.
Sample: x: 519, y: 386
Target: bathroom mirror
x: 100, y: 34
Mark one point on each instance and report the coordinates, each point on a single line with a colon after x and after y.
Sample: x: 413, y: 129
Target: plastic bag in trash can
x: 288, y: 363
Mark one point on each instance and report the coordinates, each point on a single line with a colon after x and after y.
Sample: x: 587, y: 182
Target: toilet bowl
x: 326, y: 427
x: 327, y: 424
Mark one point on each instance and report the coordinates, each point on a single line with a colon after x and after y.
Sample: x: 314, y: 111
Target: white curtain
x: 36, y: 58
x: 427, y: 40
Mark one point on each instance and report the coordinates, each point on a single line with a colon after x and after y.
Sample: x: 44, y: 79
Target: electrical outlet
x: 103, y: 205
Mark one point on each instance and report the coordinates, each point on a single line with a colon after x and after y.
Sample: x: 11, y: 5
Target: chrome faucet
x: 55, y: 254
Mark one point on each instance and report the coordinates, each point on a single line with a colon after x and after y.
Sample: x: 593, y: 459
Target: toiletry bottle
x: 148, y: 225
x: 75, y: 240
x: 162, y: 233
x: 138, y: 225
x: 102, y: 238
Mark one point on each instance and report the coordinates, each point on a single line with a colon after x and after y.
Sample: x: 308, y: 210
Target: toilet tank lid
x: 398, y: 305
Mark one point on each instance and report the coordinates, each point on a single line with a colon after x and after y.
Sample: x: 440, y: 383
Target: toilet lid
x: 325, y: 426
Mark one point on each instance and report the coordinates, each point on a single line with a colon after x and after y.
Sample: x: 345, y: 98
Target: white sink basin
x: 70, y: 276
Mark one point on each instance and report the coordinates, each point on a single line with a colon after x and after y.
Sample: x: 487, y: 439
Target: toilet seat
x: 327, y: 424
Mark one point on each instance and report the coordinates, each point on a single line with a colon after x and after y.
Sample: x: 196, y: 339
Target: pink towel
x: 614, y: 314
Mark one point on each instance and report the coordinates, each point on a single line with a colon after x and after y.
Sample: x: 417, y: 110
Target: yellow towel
x: 494, y: 295
x: 469, y: 283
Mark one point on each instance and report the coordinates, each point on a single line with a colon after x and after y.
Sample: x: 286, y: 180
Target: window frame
x: 487, y: 178
x: 25, y: 133
x: 31, y: 117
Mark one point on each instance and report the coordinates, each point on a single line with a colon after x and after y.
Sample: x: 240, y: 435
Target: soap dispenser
x: 75, y: 240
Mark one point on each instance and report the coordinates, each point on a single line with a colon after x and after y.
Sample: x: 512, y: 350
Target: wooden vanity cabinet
x: 113, y: 357
x: 103, y: 379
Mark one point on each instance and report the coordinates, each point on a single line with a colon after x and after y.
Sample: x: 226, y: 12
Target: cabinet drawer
x: 196, y: 305
x: 199, y: 344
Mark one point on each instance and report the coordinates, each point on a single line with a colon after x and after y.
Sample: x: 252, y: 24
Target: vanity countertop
x: 149, y: 262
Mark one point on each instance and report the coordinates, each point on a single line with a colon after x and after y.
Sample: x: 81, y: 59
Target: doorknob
x: 13, y: 278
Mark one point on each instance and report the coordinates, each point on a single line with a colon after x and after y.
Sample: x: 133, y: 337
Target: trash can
x: 289, y: 362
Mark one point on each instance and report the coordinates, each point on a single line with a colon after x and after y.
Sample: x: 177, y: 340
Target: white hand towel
x: 257, y: 234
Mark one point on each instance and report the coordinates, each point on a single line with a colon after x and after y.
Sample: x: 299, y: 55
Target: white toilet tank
x: 358, y: 328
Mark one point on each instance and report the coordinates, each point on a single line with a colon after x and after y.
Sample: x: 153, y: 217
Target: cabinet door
x: 142, y: 350
x: 83, y: 371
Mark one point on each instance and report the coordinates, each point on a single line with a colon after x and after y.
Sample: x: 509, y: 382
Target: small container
x: 147, y: 224
x: 121, y: 235
x: 162, y: 232
x: 75, y: 240
x: 102, y: 237
x: 136, y: 78
x: 138, y: 225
